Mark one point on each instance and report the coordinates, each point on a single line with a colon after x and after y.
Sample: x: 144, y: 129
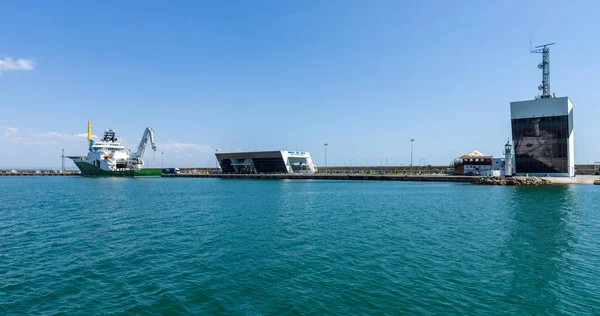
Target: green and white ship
x: 108, y: 157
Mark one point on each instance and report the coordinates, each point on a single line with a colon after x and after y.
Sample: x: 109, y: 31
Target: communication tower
x: 545, y: 66
x: 543, y: 130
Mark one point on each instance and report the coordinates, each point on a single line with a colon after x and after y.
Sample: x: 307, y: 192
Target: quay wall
x: 32, y: 174
x: 384, y: 177
x: 581, y: 179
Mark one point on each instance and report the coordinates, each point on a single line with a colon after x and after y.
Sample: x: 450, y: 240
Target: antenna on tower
x: 530, y: 47
x: 545, y: 66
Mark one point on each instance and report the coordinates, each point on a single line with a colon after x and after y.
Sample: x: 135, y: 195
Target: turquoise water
x: 80, y: 246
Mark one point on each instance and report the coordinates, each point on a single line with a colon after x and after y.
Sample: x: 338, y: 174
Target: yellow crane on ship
x: 89, y: 135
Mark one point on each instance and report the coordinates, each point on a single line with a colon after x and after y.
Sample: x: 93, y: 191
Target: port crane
x: 137, y: 158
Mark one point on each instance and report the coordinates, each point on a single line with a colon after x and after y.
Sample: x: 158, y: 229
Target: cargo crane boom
x: 138, y: 156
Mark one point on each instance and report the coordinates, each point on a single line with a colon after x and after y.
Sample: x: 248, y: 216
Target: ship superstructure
x: 107, y: 157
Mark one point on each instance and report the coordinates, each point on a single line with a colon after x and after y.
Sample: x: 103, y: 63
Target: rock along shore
x: 521, y: 181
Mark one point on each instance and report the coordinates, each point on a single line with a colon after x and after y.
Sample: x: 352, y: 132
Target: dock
x: 317, y: 176
x: 579, y: 179
x: 33, y: 174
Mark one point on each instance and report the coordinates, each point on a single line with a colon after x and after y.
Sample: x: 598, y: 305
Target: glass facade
x: 541, y: 144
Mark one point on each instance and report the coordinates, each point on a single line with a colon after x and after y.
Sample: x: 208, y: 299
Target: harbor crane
x: 137, y: 157
x: 545, y: 66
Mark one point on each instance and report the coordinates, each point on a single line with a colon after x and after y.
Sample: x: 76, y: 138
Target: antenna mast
x: 545, y: 66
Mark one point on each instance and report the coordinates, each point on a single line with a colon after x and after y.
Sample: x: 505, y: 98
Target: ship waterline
x: 91, y: 170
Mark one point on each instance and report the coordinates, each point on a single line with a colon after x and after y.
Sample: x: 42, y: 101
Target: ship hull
x: 91, y: 170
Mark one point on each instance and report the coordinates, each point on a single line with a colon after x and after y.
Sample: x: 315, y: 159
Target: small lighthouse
x: 508, y: 159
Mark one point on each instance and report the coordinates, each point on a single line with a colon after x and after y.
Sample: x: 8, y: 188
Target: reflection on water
x: 542, y: 230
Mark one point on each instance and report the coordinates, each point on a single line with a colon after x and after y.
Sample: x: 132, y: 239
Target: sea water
x: 81, y: 246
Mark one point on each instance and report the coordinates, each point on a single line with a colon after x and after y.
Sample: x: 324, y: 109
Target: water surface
x: 203, y: 246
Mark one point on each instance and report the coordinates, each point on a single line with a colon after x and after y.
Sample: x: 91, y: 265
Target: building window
x: 541, y: 144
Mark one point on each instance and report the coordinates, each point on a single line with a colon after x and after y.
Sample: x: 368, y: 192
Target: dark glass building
x: 542, y: 132
x: 541, y: 144
x: 266, y: 162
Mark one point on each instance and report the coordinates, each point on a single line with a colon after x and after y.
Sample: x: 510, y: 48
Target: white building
x: 473, y: 163
x: 498, y: 167
x: 542, y: 132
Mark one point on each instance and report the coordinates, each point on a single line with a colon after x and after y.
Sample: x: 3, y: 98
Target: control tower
x: 542, y: 130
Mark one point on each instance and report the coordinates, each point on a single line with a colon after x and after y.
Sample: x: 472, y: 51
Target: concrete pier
x: 375, y: 177
x: 586, y: 179
x: 27, y: 174
x: 422, y: 178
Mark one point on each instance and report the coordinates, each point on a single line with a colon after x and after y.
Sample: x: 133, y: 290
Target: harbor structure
x: 498, y: 167
x: 473, y: 163
x: 543, y: 131
x: 476, y: 163
x: 279, y: 161
x: 508, y: 159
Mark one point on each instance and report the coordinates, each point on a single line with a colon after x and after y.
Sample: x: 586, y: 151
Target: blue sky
x: 363, y: 76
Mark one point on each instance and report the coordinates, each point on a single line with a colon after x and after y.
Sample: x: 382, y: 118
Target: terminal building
x: 477, y: 164
x: 473, y: 164
x: 281, y: 161
x: 542, y: 130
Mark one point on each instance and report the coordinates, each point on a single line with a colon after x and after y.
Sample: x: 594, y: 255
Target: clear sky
x: 363, y: 76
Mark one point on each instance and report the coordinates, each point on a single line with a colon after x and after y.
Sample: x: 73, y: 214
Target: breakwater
x: 27, y: 174
x: 383, y: 177
x: 512, y: 181
x: 584, y: 179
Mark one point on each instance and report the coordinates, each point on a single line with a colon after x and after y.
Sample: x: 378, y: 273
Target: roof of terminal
x: 474, y: 154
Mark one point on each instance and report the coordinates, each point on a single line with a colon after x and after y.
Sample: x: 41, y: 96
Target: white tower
x: 508, y: 159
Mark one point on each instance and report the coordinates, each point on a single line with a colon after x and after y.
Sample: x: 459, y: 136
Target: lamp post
x: 162, y: 160
x: 412, y: 140
x: 325, y: 157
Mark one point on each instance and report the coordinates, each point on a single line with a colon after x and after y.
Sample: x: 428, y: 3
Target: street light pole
x: 162, y: 160
x: 326, y: 157
x: 412, y: 140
